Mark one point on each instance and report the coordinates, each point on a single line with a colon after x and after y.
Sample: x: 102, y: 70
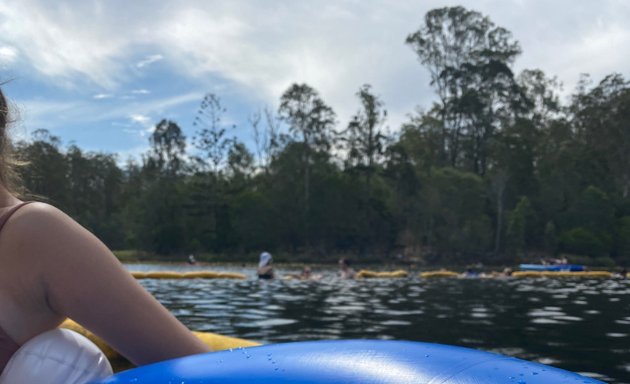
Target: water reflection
x: 580, y: 325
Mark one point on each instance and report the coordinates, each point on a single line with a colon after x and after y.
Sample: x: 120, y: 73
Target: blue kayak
x: 351, y: 362
x: 552, y: 268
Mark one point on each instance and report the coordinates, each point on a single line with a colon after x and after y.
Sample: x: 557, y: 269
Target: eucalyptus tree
x: 47, y: 167
x: 366, y: 138
x: 160, y: 208
x: 168, y: 147
x: 600, y: 116
x: 469, y: 59
x: 266, y: 133
x: 311, y: 122
x: 240, y: 165
x: 365, y: 141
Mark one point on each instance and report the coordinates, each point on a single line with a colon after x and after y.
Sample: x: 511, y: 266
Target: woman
x: 52, y: 268
x: 265, y: 269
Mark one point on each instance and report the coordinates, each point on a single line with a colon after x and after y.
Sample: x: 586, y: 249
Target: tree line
x: 497, y: 169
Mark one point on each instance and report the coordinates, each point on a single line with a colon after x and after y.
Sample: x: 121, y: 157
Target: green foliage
x: 623, y: 237
x: 496, y: 167
x: 582, y: 241
x: 470, y: 60
x: 591, y: 218
x: 455, y: 205
x: 604, y: 262
x: 211, y: 136
x: 551, y: 238
x: 168, y: 145
x: 517, y: 227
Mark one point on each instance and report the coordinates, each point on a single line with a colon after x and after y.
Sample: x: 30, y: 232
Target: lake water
x: 580, y: 325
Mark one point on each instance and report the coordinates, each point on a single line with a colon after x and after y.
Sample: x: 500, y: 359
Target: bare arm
x: 266, y: 270
x: 82, y: 279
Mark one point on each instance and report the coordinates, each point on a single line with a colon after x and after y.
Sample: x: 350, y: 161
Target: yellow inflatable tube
x: 214, y: 341
x: 188, y: 275
x: 365, y: 274
x: 586, y: 274
x: 438, y: 274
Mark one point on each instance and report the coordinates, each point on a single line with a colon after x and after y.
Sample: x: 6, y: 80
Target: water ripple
x: 580, y: 325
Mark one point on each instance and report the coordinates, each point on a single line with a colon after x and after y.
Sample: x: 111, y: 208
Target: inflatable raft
x: 188, y: 275
x: 551, y: 268
x: 585, y: 274
x: 351, y: 362
x: 438, y: 274
x: 215, y: 341
x: 367, y: 274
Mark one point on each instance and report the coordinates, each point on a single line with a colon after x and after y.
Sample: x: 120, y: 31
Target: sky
x: 102, y: 73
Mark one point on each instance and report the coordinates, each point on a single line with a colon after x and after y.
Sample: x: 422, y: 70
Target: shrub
x: 581, y: 241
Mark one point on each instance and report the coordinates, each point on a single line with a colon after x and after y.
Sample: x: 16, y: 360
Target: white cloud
x: 101, y: 96
x: 8, y: 55
x: 140, y: 119
x: 50, y: 114
x: 334, y: 45
x: 144, y: 122
x: 63, y: 40
x: 149, y: 60
x: 140, y: 92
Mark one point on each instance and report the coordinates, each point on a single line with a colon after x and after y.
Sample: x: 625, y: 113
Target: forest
x: 499, y: 169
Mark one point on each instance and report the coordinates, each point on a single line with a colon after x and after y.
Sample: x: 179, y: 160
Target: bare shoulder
x: 37, y: 210
x: 37, y: 216
x: 37, y: 225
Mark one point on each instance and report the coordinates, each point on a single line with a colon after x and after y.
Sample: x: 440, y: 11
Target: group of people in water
x: 562, y: 260
x: 265, y: 270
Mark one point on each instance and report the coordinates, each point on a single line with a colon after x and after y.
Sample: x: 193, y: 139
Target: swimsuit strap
x: 7, y: 215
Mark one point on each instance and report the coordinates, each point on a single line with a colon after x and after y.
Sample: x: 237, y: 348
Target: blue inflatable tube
x: 552, y: 268
x: 352, y: 362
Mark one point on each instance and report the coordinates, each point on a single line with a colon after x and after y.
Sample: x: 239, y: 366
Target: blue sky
x: 102, y: 73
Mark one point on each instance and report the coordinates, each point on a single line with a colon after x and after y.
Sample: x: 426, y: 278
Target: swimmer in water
x: 346, y: 271
x: 265, y: 267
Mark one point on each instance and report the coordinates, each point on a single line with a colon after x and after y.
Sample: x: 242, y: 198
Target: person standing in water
x: 265, y: 268
x: 51, y: 268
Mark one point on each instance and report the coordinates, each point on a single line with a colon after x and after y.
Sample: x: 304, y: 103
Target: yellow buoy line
x: 368, y: 274
x: 438, y: 274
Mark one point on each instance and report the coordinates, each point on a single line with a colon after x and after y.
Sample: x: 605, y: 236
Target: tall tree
x: 211, y: 136
x: 47, y: 170
x: 207, y: 202
x: 168, y: 147
x: 311, y: 123
x: 366, y: 140
x: 601, y: 117
x: 365, y: 136
x: 266, y: 136
x: 469, y: 60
